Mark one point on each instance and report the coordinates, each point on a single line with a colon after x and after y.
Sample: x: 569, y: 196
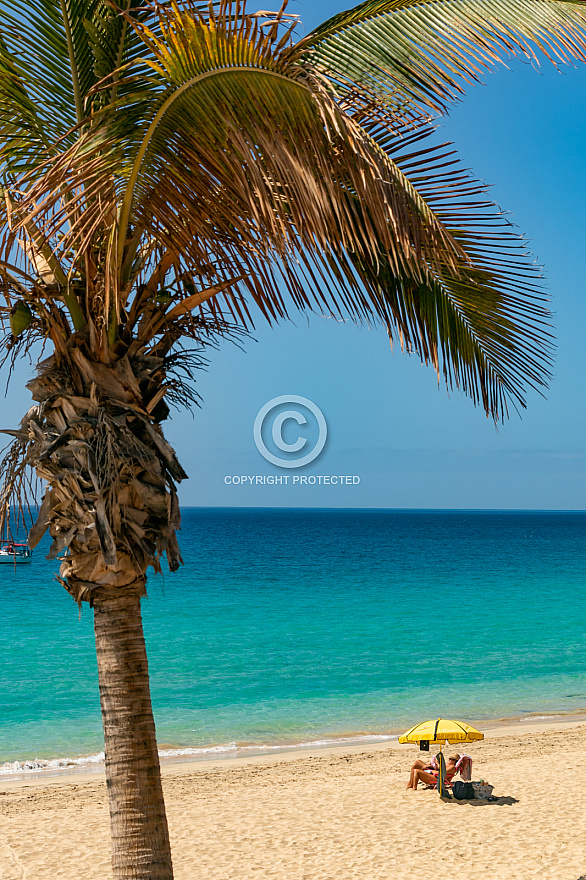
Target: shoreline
x: 91, y: 766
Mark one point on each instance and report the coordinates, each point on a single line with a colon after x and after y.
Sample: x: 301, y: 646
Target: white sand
x: 326, y: 815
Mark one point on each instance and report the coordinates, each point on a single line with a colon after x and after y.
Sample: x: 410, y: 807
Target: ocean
x: 289, y: 627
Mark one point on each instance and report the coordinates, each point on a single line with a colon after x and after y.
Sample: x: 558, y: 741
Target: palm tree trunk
x: 112, y: 510
x: 140, y: 837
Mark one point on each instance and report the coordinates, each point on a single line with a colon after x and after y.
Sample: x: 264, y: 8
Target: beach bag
x: 463, y: 791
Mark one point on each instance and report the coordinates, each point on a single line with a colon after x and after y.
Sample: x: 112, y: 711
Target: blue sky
x: 411, y: 444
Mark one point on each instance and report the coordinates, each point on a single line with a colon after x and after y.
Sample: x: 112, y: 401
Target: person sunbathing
x: 428, y: 773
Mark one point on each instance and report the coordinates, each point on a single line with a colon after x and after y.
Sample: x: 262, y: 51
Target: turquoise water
x: 292, y: 626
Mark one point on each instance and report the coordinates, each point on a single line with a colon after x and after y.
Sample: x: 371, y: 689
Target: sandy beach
x: 325, y: 815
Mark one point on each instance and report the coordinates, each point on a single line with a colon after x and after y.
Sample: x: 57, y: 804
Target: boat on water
x: 12, y: 553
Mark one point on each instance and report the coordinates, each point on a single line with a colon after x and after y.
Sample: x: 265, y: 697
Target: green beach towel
x: 441, y: 776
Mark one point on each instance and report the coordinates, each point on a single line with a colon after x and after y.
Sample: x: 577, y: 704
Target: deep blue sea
x: 294, y: 626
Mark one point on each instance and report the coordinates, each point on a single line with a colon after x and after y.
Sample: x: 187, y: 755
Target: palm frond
x: 485, y: 327
x: 53, y: 55
x: 274, y: 165
x: 35, y: 46
x: 426, y: 51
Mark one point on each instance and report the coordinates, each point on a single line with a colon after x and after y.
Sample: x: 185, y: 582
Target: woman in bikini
x: 428, y: 773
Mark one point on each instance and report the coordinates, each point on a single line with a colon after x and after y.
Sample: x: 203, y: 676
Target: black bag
x: 463, y: 791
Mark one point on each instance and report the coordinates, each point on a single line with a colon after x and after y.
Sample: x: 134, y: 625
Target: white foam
x: 39, y: 765
x: 235, y: 748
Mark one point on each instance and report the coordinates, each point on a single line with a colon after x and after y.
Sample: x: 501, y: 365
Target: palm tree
x: 171, y: 171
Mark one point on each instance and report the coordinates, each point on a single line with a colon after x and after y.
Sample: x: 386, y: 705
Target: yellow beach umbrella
x: 438, y: 731
x: 441, y: 730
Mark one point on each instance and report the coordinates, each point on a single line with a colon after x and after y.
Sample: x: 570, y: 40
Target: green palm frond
x: 53, y: 55
x: 425, y: 51
x: 74, y: 15
x: 36, y: 98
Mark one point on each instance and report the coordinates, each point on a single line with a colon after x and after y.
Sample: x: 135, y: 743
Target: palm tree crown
x: 206, y: 152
